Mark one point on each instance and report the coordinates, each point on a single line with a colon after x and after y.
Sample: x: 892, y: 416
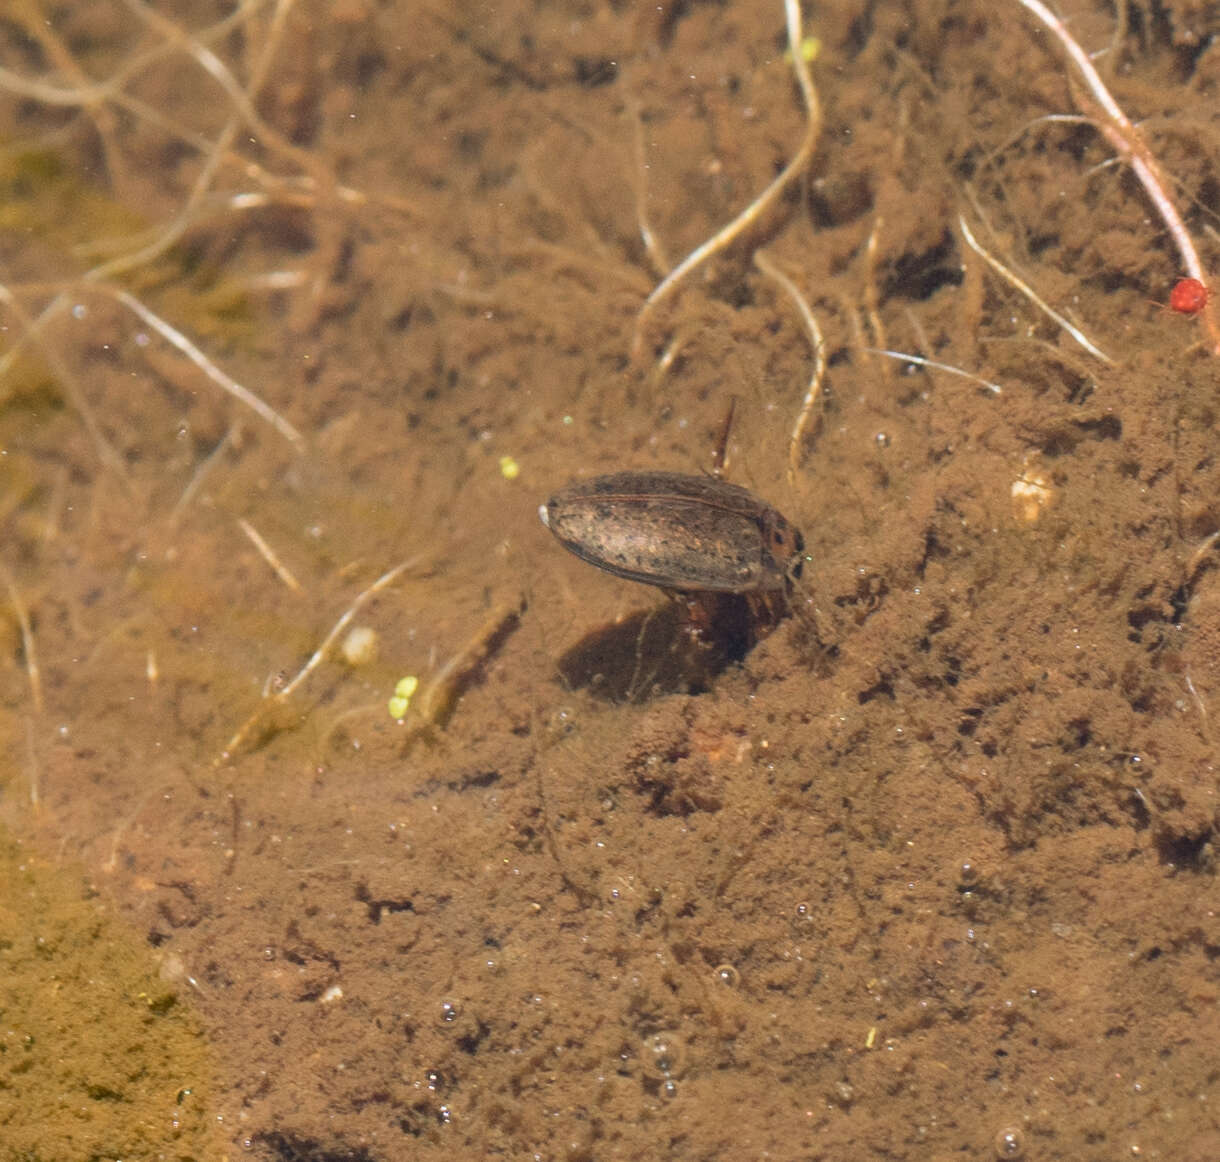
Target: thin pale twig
x: 174, y: 230
x: 319, y: 655
x: 201, y: 473
x: 935, y: 365
x: 95, y: 92
x: 437, y: 701
x: 241, y: 98
x: 1125, y: 136
x: 1204, y: 547
x: 27, y: 639
x: 813, y: 392
x: 1200, y: 705
x: 652, y: 244
x: 65, y: 376
x: 1014, y: 280
x: 222, y: 379
x: 872, y: 297
x: 755, y: 210
x: 269, y: 555
x: 35, y: 767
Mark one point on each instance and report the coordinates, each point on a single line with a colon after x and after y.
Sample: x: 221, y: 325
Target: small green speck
x: 403, y: 691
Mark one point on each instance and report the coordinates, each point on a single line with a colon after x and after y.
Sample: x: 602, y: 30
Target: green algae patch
x: 99, y: 1058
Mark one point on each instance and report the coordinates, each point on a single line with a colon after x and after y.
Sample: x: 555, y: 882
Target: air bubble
x: 664, y: 1055
x: 449, y: 1011
x: 1009, y: 1144
x: 727, y: 975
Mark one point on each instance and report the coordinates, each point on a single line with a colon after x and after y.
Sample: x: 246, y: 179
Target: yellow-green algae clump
x: 98, y: 1057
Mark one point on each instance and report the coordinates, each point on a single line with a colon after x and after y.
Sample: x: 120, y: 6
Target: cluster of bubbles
x: 665, y: 1058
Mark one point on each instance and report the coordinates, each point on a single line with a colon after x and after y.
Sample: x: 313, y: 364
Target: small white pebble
x: 360, y: 646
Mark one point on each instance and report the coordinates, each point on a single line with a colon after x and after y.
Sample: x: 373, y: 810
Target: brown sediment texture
x: 952, y: 826
x: 100, y: 1055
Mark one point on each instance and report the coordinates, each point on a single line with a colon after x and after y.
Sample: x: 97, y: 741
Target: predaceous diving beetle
x: 686, y: 534
x: 728, y: 557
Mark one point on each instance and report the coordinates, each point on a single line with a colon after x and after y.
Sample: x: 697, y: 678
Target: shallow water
x: 929, y: 874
